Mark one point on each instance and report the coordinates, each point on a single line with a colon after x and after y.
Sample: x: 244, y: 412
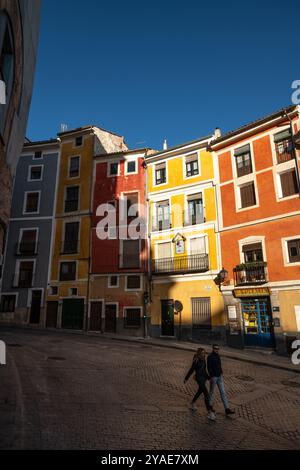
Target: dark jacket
x: 199, y: 367
x: 214, y: 365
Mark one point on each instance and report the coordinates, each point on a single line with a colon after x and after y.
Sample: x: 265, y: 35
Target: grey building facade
x: 31, y: 230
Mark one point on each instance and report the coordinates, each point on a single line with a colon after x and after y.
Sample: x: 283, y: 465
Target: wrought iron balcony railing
x: 181, y: 264
x: 193, y: 219
x: 250, y: 273
x: 158, y: 225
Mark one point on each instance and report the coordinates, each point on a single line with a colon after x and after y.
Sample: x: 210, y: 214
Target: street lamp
x: 221, y: 276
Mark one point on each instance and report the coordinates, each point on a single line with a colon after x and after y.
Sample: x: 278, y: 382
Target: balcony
x: 26, y: 248
x: 254, y: 273
x: 193, y: 219
x: 69, y: 247
x: 22, y: 279
x: 181, y: 264
x: 158, y: 225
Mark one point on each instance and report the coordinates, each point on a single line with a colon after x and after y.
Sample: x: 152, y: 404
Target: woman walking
x: 201, y: 376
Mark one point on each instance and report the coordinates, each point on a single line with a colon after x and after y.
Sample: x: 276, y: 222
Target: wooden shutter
x: 247, y: 195
x: 289, y: 183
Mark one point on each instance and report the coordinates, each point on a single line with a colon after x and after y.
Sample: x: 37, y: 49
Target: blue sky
x: 151, y: 70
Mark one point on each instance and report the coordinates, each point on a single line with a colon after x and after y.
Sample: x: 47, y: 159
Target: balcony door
x: 35, y: 309
x: 253, y: 252
x: 70, y: 244
x: 167, y: 317
x: 164, y: 260
x: 197, y: 249
x: 27, y: 244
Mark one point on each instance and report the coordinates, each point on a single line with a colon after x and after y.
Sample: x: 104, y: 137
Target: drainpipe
x: 294, y: 150
x: 148, y: 264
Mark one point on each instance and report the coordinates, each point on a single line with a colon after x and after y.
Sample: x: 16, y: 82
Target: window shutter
x: 282, y: 135
x: 289, y: 183
x: 201, y: 312
x: 247, y: 195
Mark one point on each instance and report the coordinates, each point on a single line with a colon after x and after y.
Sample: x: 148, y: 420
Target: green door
x: 72, y: 314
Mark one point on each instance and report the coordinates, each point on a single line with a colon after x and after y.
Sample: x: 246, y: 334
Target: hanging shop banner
x: 255, y: 292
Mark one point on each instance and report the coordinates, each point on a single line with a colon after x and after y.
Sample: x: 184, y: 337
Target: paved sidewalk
x: 253, y: 356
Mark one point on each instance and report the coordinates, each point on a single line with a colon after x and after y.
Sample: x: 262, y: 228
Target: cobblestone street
x: 63, y: 391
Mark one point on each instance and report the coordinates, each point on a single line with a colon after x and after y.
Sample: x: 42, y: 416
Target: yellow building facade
x: 185, y: 302
x: 68, y: 291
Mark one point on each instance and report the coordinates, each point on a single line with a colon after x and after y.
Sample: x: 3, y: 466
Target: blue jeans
x: 220, y: 383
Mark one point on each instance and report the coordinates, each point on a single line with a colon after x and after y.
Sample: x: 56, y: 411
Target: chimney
x: 63, y: 127
x: 165, y: 145
x: 217, y: 133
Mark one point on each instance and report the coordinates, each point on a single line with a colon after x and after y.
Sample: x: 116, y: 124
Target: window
x: 294, y: 250
x: 252, y: 252
x: 201, y: 313
x: 243, y: 160
x: 74, y: 167
x: 283, y: 146
x: 113, y: 281
x: 131, y: 166
x: 160, y: 173
x: 68, y: 271
x: 132, y: 200
x: 35, y: 173
x: 247, y: 193
x: 113, y: 169
x: 163, y: 219
x: 78, y: 141
x: 25, y: 276
x: 70, y: 243
x: 133, y: 282
x: 53, y: 290
x: 132, y: 317
x: 8, y: 303
x: 195, y: 210
x: 37, y: 155
x: 71, y: 202
x: 191, y: 165
x: 288, y: 181
x: 32, y: 202
x: 28, y: 245
x: 73, y: 291
x: 131, y: 254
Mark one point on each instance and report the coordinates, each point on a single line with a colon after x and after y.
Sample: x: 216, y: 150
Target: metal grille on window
x: 133, y: 317
x: 201, y: 312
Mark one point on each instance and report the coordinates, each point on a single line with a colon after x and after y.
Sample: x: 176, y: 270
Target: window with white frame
x: 283, y: 146
x: 243, y: 162
x: 191, y: 165
x: 247, y: 195
x: 32, y: 202
x: 288, y: 183
x: 293, y: 247
x: 28, y: 242
x: 78, y: 141
x: 35, y: 173
x: 131, y: 166
x: 160, y: 173
x: 113, y: 169
x: 113, y: 281
x: 162, y: 217
x: 37, y: 155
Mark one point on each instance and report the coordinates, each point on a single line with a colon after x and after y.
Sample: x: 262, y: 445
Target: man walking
x: 215, y: 372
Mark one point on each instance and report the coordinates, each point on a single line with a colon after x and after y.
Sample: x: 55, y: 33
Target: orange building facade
x: 259, y: 225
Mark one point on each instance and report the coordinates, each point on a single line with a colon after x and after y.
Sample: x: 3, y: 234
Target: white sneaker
x: 193, y: 406
x: 211, y: 415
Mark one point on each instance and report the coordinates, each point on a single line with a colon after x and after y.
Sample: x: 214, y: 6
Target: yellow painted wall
x: 85, y: 152
x: 184, y: 291
x: 287, y: 301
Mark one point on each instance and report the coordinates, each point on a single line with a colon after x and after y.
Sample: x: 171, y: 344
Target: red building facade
x: 119, y: 262
x: 259, y: 225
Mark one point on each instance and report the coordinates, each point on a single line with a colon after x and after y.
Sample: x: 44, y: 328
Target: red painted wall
x: 105, y: 253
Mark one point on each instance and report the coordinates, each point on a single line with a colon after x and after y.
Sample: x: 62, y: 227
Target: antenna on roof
x: 63, y: 127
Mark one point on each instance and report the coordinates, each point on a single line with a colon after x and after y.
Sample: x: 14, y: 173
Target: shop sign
x: 252, y: 292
